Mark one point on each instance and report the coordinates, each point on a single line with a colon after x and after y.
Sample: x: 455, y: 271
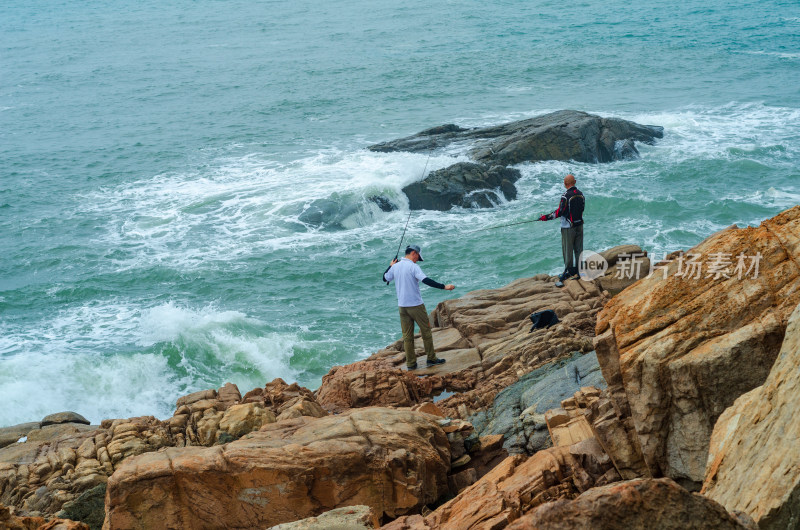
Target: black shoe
x: 563, y: 276
x: 435, y: 362
x: 412, y: 367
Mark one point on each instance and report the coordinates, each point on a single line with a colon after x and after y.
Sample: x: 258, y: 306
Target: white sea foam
x: 37, y: 383
x: 782, y: 199
x: 210, y: 330
x: 782, y: 55
x: 696, y: 132
x: 109, y: 360
x: 247, y: 206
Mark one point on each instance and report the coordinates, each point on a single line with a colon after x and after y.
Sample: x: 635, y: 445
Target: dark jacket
x: 570, y: 207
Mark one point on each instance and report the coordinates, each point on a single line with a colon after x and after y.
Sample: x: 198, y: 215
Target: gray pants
x: 572, y: 247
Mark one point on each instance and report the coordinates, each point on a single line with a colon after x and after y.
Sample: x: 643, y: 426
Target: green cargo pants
x: 409, y: 315
x: 572, y: 247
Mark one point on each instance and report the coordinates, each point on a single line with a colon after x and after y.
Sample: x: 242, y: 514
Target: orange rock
x: 366, y: 383
x: 394, y: 461
x: 511, y: 489
x: 654, y: 504
x: 754, y: 454
x: 429, y: 408
x: 677, y: 352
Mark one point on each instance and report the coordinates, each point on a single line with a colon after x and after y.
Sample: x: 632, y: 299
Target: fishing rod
x: 510, y: 224
x: 397, y: 254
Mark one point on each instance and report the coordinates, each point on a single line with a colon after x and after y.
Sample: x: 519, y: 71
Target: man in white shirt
x: 407, y: 275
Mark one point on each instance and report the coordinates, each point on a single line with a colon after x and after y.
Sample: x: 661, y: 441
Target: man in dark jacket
x: 570, y: 210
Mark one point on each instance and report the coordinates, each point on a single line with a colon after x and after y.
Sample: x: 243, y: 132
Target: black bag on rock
x: 543, y: 319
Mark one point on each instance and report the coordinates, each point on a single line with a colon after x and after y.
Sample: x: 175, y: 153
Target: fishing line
x: 510, y: 224
x: 397, y: 254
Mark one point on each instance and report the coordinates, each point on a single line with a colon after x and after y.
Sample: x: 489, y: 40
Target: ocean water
x: 155, y: 159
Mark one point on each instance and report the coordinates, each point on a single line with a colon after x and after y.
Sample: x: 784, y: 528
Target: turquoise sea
x: 155, y: 157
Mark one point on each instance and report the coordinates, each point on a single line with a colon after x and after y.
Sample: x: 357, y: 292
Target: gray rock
x: 88, y: 508
x: 625, y: 150
x: 346, y: 518
x: 64, y: 417
x: 562, y: 135
x: 518, y: 411
x: 9, y: 435
x: 320, y: 211
x: 463, y: 184
x: 336, y: 210
x: 426, y: 140
x: 383, y: 203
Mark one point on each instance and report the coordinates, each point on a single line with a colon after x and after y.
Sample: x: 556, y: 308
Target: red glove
x: 543, y: 218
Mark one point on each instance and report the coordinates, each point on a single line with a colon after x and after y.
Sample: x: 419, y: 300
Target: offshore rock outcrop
x: 562, y: 135
x: 463, y: 184
x: 677, y: 352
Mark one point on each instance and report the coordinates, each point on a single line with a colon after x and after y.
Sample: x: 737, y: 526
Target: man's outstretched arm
x: 437, y: 285
x: 554, y: 214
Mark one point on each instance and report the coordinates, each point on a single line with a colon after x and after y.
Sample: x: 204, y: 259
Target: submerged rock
x: 321, y: 211
x: 464, y: 184
x: 342, y: 210
x: 562, y: 135
x: 383, y: 203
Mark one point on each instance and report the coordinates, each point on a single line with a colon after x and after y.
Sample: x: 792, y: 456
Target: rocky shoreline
x: 666, y: 402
